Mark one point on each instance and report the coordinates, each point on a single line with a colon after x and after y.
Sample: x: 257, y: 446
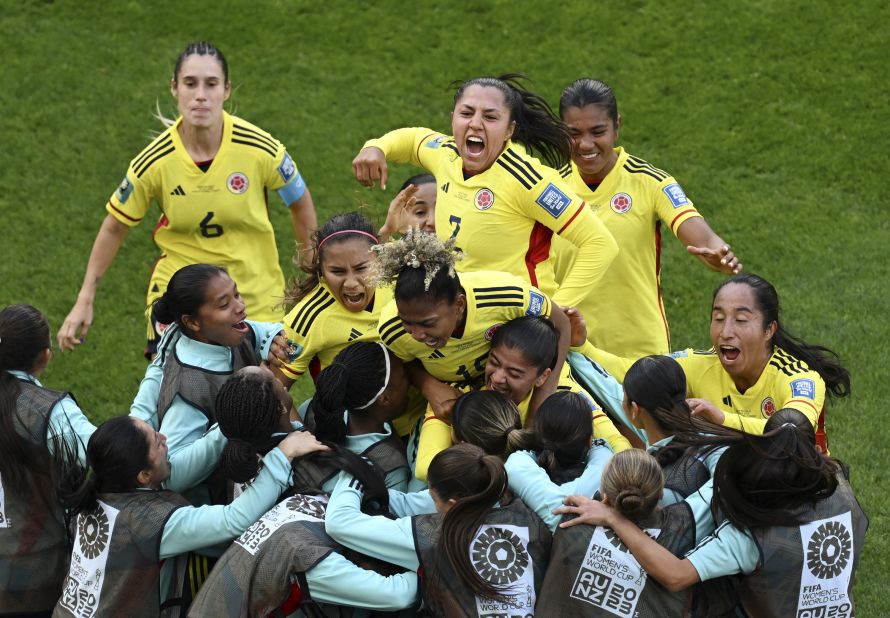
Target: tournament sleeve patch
x: 803, y: 388
x: 679, y: 354
x: 535, y: 303
x: 553, y: 200
x: 676, y: 195
x: 435, y: 143
x: 287, y: 169
x: 124, y: 190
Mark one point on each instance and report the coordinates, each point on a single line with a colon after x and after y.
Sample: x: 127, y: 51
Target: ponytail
x: 490, y: 421
x: 537, y: 127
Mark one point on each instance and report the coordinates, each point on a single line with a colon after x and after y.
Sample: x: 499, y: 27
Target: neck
x: 202, y: 143
x: 364, y: 422
x: 654, y: 432
x: 747, y: 379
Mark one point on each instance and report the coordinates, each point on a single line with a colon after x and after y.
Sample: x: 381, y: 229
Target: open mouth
x: 729, y: 353
x: 355, y: 298
x: 475, y: 145
x: 241, y: 326
x: 590, y: 156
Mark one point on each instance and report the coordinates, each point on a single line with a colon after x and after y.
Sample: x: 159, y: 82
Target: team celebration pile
x: 498, y: 428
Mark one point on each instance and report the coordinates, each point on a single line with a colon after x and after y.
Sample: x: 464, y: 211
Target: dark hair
x: 537, y: 127
x: 300, y: 286
x: 350, y: 381
x: 247, y: 411
x: 490, y: 421
x: 186, y: 293
x: 417, y: 180
x: 820, y: 359
x: 562, y: 429
x: 201, y: 48
x: 535, y: 336
x: 375, y: 493
x: 116, y: 453
x: 421, y: 266
x: 24, y: 334
x: 586, y: 91
x: 794, y: 417
x: 476, y: 482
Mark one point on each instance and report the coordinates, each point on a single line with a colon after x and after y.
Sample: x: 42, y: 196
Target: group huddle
x: 498, y: 427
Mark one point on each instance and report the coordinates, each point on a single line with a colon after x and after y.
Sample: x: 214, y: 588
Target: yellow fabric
x: 204, y: 217
x: 492, y: 299
x: 323, y: 327
x: 505, y: 216
x: 626, y: 316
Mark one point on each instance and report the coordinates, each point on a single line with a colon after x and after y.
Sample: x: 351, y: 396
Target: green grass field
x: 773, y: 115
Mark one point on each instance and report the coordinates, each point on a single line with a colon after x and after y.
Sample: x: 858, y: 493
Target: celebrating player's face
x: 509, y: 373
x: 431, y: 323
x: 593, y: 140
x: 220, y: 320
x: 738, y: 334
x: 423, y: 214
x: 481, y: 125
x: 200, y: 90
x: 158, y: 469
x: 346, y: 269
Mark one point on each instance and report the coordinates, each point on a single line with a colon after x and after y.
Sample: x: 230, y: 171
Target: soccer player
x: 634, y: 200
x: 209, y: 173
x: 501, y: 205
x: 755, y: 367
x: 414, y: 206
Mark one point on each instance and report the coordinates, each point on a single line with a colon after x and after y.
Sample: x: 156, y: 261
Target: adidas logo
x: 445, y: 187
x: 727, y: 401
x: 353, y: 335
x: 177, y: 191
x: 436, y: 354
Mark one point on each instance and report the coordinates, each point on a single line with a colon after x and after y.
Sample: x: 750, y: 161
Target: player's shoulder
x: 789, y: 366
x: 641, y: 169
x: 390, y: 328
x: 158, y: 150
x: 484, y: 280
x: 311, y: 311
x: 520, y: 171
x: 253, y: 138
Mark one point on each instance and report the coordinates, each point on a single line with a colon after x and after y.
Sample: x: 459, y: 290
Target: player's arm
x: 435, y: 437
x: 596, y: 250
x: 400, y: 146
x: 302, y: 214
x: 108, y: 241
x: 286, y: 180
x: 711, y: 250
x: 563, y: 327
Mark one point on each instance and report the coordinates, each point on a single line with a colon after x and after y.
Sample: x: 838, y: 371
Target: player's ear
x: 228, y: 91
x: 539, y: 381
x: 511, y: 128
x: 190, y: 323
x: 173, y: 89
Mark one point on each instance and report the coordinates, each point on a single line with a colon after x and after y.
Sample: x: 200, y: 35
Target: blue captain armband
x: 293, y: 190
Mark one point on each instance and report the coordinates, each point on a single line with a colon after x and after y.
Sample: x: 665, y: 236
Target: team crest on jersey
x: 492, y: 330
x: 803, y: 388
x: 435, y: 143
x: 237, y: 183
x: 124, y: 190
x: 287, y: 169
x: 535, y: 303
x: 676, y: 195
x: 553, y: 201
x: 768, y: 407
x: 621, y: 203
x: 484, y: 199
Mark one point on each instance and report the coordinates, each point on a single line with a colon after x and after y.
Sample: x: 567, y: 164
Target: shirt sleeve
x: 68, y: 423
x: 265, y: 333
x: 145, y: 405
x: 416, y: 145
x: 727, y: 552
x: 285, y: 179
x: 408, y: 504
x: 604, y: 428
x: 193, y: 451
x: 307, y: 346
x: 606, y: 390
x: 338, y: 581
x: 435, y: 436
x: 131, y: 200
x: 531, y: 483
x: 804, y: 392
x: 375, y: 536
x: 616, y: 366
x: 191, y: 528
x: 671, y: 204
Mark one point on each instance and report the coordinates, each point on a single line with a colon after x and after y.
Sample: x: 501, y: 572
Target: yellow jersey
x: 493, y: 298
x: 322, y: 327
x: 505, y: 217
x: 217, y: 217
x: 633, y: 201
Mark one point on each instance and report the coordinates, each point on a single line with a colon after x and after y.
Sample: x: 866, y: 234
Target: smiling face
x: 432, y: 323
x: 594, y: 135
x: 346, y: 269
x: 509, y: 373
x: 738, y: 333
x: 423, y: 214
x: 200, y: 89
x: 220, y: 320
x: 481, y: 125
x: 158, y: 464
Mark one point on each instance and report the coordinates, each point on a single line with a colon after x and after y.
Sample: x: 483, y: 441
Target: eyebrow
x: 743, y: 308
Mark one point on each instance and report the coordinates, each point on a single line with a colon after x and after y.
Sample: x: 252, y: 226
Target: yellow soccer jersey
x: 322, y: 327
x: 505, y: 217
x: 786, y: 382
x: 219, y: 216
x: 492, y: 299
x: 634, y: 200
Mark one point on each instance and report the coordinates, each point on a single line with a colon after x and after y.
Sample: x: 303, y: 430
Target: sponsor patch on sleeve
x: 804, y: 387
x: 679, y: 354
x: 435, y: 143
x: 124, y: 190
x: 676, y: 195
x: 287, y: 169
x: 535, y: 303
x: 553, y: 200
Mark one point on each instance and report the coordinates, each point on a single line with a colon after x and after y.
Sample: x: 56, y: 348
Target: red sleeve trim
x: 809, y: 403
x: 122, y: 213
x: 569, y: 222
x: 420, y: 144
x: 683, y: 213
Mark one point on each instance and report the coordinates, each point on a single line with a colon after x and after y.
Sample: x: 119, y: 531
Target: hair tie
x: 385, y: 378
x: 363, y: 233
